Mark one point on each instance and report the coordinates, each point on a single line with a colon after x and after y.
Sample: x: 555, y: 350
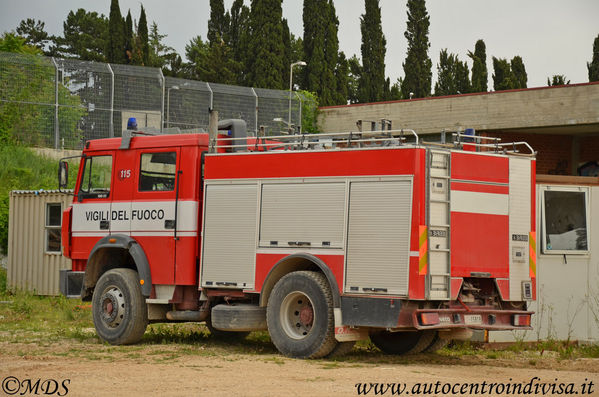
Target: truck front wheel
x: 300, y: 315
x: 119, y: 309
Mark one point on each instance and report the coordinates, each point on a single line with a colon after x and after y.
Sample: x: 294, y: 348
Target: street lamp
x: 168, y: 103
x: 298, y: 63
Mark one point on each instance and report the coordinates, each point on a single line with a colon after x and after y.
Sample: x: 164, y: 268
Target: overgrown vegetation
x: 22, y: 169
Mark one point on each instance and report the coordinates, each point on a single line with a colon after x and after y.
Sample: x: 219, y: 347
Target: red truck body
x: 430, y: 239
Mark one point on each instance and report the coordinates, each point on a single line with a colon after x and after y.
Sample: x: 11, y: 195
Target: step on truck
x: 322, y: 240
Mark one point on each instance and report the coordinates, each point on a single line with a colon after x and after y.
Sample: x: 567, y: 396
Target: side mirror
x: 63, y: 174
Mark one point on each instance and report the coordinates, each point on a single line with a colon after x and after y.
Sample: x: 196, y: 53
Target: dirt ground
x: 220, y: 370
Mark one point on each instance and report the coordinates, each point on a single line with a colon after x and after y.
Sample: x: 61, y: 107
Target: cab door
x: 92, y: 205
x: 153, y: 207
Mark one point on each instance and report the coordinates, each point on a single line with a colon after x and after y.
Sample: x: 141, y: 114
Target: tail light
x: 429, y: 318
x: 521, y: 320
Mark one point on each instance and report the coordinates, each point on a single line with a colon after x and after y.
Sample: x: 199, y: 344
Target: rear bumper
x: 71, y: 283
x: 474, y: 318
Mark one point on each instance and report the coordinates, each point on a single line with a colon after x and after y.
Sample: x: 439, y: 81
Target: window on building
x: 565, y: 220
x: 157, y: 172
x: 97, y: 174
x: 53, y: 224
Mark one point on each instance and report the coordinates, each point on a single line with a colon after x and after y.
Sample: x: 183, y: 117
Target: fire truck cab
x: 320, y: 239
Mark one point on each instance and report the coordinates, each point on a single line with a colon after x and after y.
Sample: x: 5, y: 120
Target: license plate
x: 471, y: 319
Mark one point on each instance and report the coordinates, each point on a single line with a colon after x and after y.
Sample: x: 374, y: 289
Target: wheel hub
x: 113, y: 306
x: 297, y: 315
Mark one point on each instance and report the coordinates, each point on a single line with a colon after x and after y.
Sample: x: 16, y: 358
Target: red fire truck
x: 322, y: 240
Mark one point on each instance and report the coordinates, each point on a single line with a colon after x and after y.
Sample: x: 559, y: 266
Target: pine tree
x: 503, y: 78
x: 480, y: 75
x: 142, y: 33
x: 34, y: 33
x: 115, y: 52
x: 286, y: 37
x: 129, y: 37
x: 417, y: 66
x: 85, y: 37
x: 519, y: 72
x: 372, y: 79
x: 265, y: 63
x: 593, y: 66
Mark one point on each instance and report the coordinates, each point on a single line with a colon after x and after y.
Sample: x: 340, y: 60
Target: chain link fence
x: 62, y: 103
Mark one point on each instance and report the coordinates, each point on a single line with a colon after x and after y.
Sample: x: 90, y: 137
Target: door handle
x: 104, y: 225
x: 169, y: 223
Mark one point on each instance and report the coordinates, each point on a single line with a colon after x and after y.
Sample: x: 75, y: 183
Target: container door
x: 378, y: 242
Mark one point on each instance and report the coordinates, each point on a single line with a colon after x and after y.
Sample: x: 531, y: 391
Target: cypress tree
x: 372, y: 81
x: 129, y: 37
x: 593, y: 66
x: 314, y: 44
x: 519, y: 72
x: 240, y: 36
x: 142, y: 33
x: 342, y: 73
x: 116, y: 35
x: 557, y: 79
x: 503, y: 78
x: 331, y: 53
x: 216, y: 23
x: 417, y: 66
x: 480, y: 75
x: 286, y: 37
x: 266, y: 45
x: 445, y: 84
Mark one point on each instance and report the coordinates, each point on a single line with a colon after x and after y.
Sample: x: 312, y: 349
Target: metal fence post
x: 111, y: 123
x: 211, y: 96
x: 56, y: 123
x: 299, y: 121
x: 256, y: 112
x: 162, y: 105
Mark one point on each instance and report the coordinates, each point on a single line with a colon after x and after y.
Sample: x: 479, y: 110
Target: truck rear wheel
x: 118, y: 308
x: 402, y: 342
x: 300, y: 315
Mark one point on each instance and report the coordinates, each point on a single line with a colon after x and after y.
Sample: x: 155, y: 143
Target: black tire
x: 225, y: 335
x: 399, y: 343
x: 119, y: 310
x: 238, y: 317
x: 437, y: 344
x: 341, y: 349
x: 300, y: 315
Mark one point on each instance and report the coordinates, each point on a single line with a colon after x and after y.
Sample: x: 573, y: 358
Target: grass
x: 43, y: 326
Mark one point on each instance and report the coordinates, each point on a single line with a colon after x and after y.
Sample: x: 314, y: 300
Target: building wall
x: 30, y: 267
x: 549, y: 107
x: 567, y: 306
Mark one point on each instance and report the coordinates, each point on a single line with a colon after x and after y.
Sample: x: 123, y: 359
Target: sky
x: 551, y: 36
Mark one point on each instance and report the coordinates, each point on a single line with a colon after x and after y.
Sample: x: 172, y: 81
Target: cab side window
x: 97, y: 174
x: 157, y: 172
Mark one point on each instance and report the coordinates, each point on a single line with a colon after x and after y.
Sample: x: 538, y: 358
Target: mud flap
x: 345, y: 333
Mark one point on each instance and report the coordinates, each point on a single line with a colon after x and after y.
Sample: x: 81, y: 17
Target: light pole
x: 168, y: 104
x: 298, y: 63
